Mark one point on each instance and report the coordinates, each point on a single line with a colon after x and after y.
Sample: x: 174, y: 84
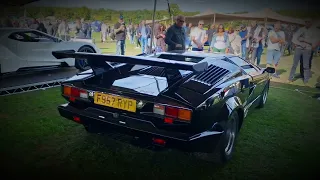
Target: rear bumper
x: 202, y: 142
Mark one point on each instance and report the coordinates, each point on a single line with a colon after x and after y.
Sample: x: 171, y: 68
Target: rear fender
x: 233, y: 104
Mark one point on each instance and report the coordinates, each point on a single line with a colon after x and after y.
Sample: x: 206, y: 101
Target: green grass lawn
x: 278, y: 141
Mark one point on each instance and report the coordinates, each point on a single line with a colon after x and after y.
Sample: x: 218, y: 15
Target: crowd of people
x: 59, y: 28
x: 247, y: 42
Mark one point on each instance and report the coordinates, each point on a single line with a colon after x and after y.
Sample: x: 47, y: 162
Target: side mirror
x: 270, y: 70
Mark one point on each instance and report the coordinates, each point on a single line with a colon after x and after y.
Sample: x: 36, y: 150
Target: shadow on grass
x: 309, y: 91
x: 281, y: 71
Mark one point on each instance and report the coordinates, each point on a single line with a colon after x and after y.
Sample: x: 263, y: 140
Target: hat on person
x: 121, y: 17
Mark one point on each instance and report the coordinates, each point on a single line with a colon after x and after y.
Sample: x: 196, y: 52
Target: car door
x: 37, y: 48
x: 256, y: 80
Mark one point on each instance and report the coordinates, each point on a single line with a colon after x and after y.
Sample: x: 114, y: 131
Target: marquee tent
x: 266, y: 15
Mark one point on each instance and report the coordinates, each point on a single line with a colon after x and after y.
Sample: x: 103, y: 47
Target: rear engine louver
x: 153, y: 71
x: 211, y: 76
x: 202, y: 82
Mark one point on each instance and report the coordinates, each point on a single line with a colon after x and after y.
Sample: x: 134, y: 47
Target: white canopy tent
x: 266, y: 15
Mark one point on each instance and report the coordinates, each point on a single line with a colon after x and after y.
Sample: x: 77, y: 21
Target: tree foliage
x: 106, y: 15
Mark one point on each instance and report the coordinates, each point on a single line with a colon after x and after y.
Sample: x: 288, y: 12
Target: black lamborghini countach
x: 191, y: 101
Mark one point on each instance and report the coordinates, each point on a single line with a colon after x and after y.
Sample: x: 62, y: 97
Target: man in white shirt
x: 276, y: 39
x: 199, y: 37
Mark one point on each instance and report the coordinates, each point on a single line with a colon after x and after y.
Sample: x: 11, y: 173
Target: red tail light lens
x: 75, y: 92
x: 159, y: 141
x: 171, y: 111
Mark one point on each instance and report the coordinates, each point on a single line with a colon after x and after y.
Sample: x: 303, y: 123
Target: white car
x: 24, y: 49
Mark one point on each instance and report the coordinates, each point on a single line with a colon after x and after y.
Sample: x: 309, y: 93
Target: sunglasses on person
x: 182, y: 21
x: 201, y: 24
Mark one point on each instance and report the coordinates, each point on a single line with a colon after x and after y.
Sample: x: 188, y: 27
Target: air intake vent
x: 153, y: 71
x: 211, y: 76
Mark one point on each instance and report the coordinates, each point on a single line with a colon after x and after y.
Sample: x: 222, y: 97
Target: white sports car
x: 24, y: 49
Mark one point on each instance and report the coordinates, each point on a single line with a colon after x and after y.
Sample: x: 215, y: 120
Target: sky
x: 224, y: 6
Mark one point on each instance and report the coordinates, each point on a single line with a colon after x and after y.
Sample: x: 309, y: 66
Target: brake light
x: 159, y: 141
x: 172, y: 113
x: 76, y: 119
x: 74, y: 93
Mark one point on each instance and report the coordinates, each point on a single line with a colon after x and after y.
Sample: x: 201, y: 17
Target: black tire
x: 264, y: 96
x: 224, y: 150
x: 81, y: 64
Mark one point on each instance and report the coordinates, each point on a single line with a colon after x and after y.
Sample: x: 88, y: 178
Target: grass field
x: 281, y: 141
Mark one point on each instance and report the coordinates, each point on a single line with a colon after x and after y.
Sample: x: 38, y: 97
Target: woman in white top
x: 235, y: 41
x: 220, y: 41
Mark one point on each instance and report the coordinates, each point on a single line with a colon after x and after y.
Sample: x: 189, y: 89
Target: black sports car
x: 193, y: 101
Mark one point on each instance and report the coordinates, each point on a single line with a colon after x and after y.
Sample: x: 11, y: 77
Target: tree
x: 83, y: 12
x: 175, y: 9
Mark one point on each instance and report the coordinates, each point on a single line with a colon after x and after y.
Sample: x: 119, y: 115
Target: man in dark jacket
x: 175, y: 35
x: 120, y: 35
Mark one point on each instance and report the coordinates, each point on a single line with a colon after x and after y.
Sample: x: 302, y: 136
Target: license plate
x: 117, y: 102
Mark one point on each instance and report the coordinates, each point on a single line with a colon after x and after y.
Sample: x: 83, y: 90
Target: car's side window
x: 39, y: 37
x: 247, y: 67
x: 18, y: 37
x: 31, y: 36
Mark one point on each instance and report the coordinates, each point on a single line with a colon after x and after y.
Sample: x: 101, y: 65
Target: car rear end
x: 155, y: 118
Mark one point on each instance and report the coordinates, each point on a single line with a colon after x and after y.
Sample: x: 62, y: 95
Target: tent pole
x: 152, y: 31
x: 214, y: 18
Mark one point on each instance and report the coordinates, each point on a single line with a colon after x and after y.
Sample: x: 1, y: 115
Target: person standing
x: 289, y: 35
x: 243, y: 34
x: 49, y: 28
x: 160, y: 35
x: 175, y: 35
x: 236, y: 43
x: 276, y: 39
x: 103, y: 32
x: 63, y: 30
x: 137, y: 36
x: 199, y: 37
x: 254, y: 36
x: 120, y: 36
x: 131, y: 33
x: 144, y: 33
x: 210, y: 33
x: 305, y: 40
x: 220, y: 41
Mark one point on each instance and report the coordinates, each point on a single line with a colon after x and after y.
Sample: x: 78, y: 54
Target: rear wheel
x: 264, y: 96
x: 224, y: 150
x: 82, y: 64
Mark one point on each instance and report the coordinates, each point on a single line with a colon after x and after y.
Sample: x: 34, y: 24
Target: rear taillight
x: 172, y: 113
x: 73, y: 93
